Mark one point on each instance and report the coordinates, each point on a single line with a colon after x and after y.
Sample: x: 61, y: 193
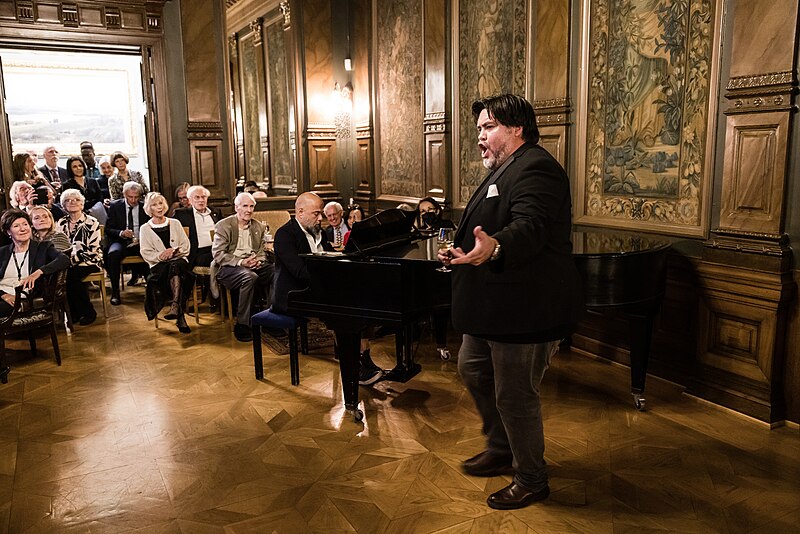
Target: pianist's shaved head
x: 308, y: 212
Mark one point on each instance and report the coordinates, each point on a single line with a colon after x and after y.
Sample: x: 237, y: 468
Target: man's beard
x: 495, y: 159
x: 314, y: 229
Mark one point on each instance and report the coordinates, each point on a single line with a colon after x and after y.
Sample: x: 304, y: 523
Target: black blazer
x: 186, y: 218
x: 118, y: 220
x: 533, y: 290
x: 41, y: 255
x: 290, y: 269
x: 329, y: 232
x: 91, y: 192
x: 62, y: 174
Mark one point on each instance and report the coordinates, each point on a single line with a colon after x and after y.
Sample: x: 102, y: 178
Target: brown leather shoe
x: 487, y: 464
x: 515, y: 496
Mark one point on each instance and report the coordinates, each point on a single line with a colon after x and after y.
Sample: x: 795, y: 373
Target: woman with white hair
x: 165, y: 247
x: 85, y: 254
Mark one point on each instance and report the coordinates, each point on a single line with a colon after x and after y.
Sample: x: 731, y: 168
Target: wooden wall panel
x: 754, y: 172
x: 321, y: 161
x: 206, y: 163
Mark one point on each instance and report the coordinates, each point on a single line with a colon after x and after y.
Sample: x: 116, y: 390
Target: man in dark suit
x: 516, y: 293
x: 200, y: 219
x: 125, y: 217
x: 55, y: 175
x: 302, y: 235
x: 337, y: 228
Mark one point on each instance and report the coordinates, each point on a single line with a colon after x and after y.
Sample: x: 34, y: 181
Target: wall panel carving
x: 400, y: 113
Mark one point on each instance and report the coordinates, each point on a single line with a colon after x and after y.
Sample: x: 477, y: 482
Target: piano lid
x: 385, y: 228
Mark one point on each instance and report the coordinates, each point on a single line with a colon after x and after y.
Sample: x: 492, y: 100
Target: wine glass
x: 444, y: 242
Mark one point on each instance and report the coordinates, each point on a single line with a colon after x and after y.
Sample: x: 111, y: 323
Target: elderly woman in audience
x: 23, y: 261
x: 44, y: 229
x: 89, y: 188
x: 165, y: 247
x: 85, y: 254
x: 23, y: 196
x: 124, y: 174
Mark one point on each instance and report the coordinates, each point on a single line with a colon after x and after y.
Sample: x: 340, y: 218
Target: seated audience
x: 87, y: 155
x: 125, y: 217
x: 241, y: 262
x: 106, y: 173
x: 89, y: 189
x: 50, y: 170
x: 22, y: 195
x: 353, y: 214
x: 44, y: 229
x: 124, y: 175
x: 23, y: 168
x: 200, y: 219
x: 337, y: 229
x: 304, y: 235
x: 85, y: 255
x: 429, y: 218
x: 165, y: 248
x: 23, y: 261
x: 181, y: 199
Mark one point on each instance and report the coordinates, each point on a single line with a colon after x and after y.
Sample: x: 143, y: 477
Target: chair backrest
x: 273, y: 219
x: 52, y: 291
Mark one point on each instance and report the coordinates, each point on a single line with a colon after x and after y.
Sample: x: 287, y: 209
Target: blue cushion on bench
x: 273, y: 319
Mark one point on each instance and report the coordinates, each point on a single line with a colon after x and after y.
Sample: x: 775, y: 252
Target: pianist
x: 516, y: 293
x: 303, y: 235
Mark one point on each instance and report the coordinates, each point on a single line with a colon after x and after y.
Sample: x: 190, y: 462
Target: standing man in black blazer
x: 516, y: 293
x: 125, y: 217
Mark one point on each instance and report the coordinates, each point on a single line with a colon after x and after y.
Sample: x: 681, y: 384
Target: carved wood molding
x: 761, y: 92
x: 363, y: 131
x: 776, y: 245
x: 321, y: 131
x: 204, y: 130
x: 138, y: 15
x: 435, y: 122
x: 552, y: 112
x: 257, y: 27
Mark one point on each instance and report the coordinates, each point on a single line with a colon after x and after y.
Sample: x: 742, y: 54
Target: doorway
x: 61, y: 98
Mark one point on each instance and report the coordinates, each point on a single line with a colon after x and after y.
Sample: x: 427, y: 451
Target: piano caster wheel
x: 444, y: 354
x: 639, y: 401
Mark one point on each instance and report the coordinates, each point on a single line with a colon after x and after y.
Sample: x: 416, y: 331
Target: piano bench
x: 271, y: 319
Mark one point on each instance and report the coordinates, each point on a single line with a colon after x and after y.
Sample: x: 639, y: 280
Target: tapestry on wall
x: 647, y: 114
x: 491, y: 60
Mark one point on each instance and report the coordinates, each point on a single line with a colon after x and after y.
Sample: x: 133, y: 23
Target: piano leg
x: 406, y: 367
x: 641, y: 331
x: 349, y: 344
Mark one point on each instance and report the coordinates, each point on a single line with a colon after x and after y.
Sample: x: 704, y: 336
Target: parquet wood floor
x: 145, y: 430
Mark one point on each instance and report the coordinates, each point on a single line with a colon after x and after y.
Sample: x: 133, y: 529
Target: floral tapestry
x: 649, y: 73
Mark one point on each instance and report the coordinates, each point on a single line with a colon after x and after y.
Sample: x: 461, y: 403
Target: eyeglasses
x: 72, y: 200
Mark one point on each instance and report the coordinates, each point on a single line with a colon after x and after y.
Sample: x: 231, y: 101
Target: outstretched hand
x: 484, y: 247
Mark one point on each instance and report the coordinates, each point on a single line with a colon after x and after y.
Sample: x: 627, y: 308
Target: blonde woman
x: 44, y: 228
x: 86, y: 255
x: 165, y: 247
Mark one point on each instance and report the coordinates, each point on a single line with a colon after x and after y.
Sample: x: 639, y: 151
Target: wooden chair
x: 100, y: 278
x: 32, y: 315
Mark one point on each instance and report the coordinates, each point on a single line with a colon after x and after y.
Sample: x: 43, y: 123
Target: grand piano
x: 390, y: 278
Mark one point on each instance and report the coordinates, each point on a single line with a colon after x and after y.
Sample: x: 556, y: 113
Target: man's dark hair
x: 509, y: 110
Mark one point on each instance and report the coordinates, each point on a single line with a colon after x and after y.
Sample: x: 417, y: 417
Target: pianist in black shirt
x: 516, y: 293
x: 304, y: 235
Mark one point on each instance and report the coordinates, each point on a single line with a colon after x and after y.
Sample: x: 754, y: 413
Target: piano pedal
x: 444, y: 354
x: 639, y: 401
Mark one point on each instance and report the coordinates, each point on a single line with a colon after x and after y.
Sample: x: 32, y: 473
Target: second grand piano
x: 387, y: 276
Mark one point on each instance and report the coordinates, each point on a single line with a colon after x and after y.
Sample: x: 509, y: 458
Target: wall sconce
x: 348, y: 64
x: 343, y: 108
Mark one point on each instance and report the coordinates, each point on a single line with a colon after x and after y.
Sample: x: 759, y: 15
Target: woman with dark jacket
x: 23, y: 261
x: 89, y: 188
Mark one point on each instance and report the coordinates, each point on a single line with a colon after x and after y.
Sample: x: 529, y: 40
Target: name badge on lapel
x: 492, y: 192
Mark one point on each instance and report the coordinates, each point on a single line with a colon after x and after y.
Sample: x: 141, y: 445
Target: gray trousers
x: 504, y: 379
x: 249, y: 282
